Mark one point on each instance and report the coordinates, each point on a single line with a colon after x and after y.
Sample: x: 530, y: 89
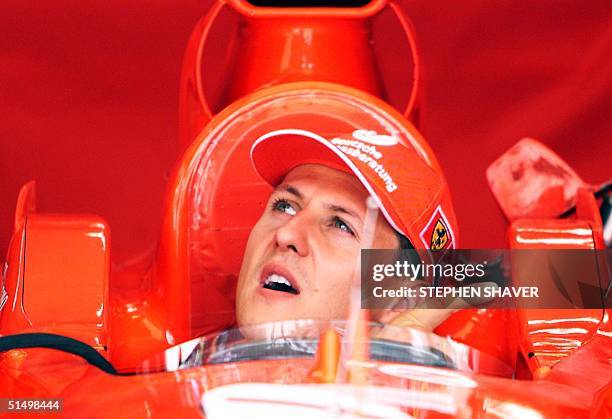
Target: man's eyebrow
x: 290, y: 189
x: 342, y: 210
x: 332, y: 207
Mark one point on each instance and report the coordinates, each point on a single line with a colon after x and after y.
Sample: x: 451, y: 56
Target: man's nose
x: 293, y: 235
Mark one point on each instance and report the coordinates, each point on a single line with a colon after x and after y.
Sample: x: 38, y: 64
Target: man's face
x: 303, y: 252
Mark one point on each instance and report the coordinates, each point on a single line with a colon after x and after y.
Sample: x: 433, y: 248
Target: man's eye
x: 282, y: 205
x: 341, y: 225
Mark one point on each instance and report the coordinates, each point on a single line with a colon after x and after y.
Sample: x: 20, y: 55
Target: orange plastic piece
x: 327, y: 358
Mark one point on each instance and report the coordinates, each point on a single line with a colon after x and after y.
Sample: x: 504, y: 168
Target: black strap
x: 58, y: 342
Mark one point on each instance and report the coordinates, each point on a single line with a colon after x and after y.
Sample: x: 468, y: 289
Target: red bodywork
x: 143, y: 306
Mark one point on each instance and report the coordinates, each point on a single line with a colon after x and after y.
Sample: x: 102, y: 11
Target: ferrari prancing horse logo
x: 437, y: 235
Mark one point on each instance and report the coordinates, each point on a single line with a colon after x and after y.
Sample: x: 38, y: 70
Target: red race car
x: 156, y: 336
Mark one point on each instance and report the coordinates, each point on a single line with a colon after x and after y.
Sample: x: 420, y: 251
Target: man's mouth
x: 277, y: 282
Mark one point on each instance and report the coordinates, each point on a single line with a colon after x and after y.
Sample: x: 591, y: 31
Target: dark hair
x: 404, y: 243
x: 406, y: 251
